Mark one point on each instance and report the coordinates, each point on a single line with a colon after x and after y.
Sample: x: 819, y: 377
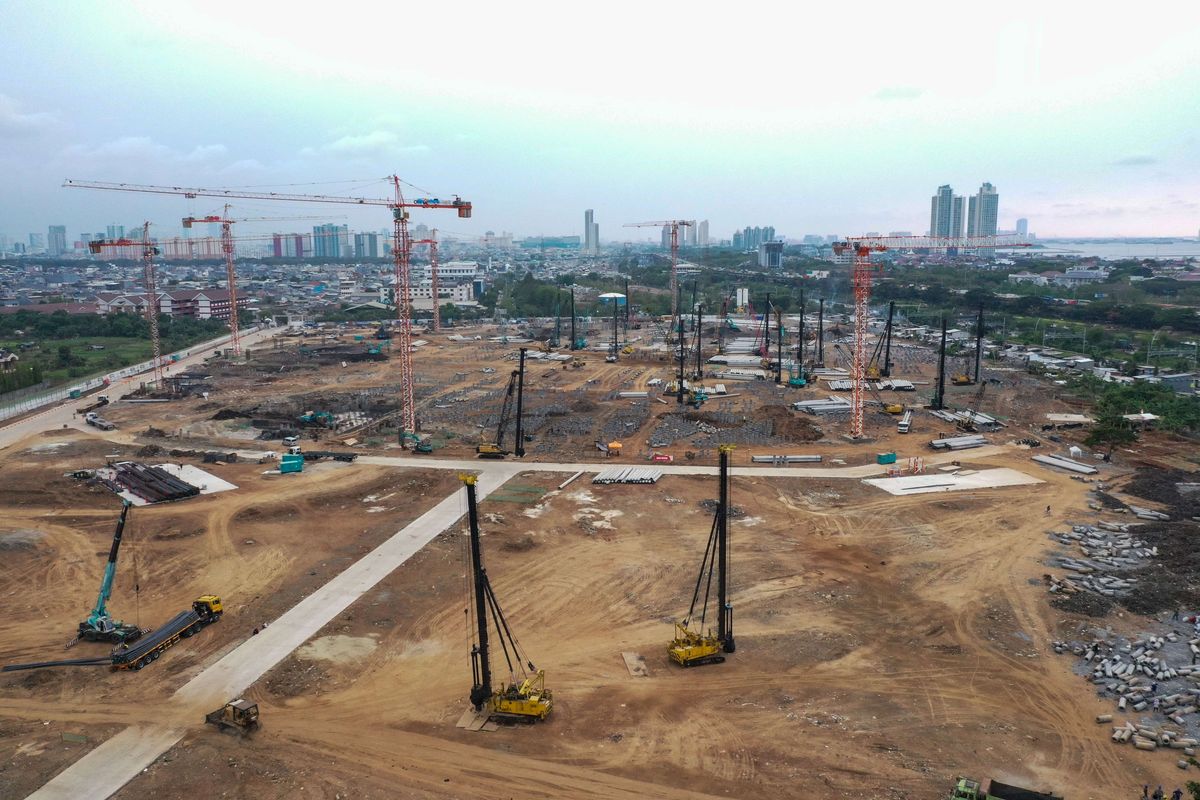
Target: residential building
x: 739, y: 242
x: 946, y: 214
x: 1022, y: 227
x: 56, y: 240
x: 702, y: 233
x: 290, y: 245
x: 1082, y: 275
x: 331, y: 241
x: 114, y: 232
x: 1027, y: 277
x: 37, y: 243
x: 983, y: 211
x: 366, y: 245
x: 196, y: 303
x: 8, y: 360
x: 770, y: 255
x: 691, y: 234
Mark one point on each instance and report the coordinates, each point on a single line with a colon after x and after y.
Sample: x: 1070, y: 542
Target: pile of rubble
x: 1107, y: 548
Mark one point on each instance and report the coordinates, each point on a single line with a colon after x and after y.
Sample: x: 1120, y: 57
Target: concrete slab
x: 922, y: 484
x: 636, y: 664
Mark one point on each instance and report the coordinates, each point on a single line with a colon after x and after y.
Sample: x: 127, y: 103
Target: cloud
x: 899, y: 93
x: 15, y: 123
x: 146, y: 149
x: 1135, y: 161
x: 375, y: 143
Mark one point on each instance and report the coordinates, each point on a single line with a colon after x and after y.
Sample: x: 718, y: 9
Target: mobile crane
x: 99, y: 626
x: 693, y: 646
x: 516, y: 387
x: 524, y: 696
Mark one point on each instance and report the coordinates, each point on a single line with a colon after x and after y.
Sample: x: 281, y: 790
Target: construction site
x: 736, y: 555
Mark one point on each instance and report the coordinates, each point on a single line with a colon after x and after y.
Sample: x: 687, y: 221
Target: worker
x: 1177, y: 794
x: 1158, y: 793
x: 1047, y: 511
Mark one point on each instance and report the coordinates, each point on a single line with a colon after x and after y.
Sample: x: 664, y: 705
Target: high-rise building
x: 692, y: 233
x: 56, y: 240
x: 1022, y: 227
x: 702, y: 233
x: 366, y: 245
x: 770, y: 255
x: 946, y: 214
x: 739, y: 240
x: 983, y: 211
x: 37, y: 243
x: 666, y: 237
x: 591, y: 233
x: 330, y: 241
x: 115, y: 232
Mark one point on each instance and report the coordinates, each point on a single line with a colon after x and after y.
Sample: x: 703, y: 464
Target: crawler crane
x: 524, y: 696
x: 693, y: 645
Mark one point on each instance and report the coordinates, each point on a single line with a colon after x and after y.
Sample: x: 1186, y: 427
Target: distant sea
x: 1115, y: 249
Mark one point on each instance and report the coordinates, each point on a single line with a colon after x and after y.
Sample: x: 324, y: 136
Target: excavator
x: 99, y: 626
x: 693, y: 644
x: 516, y: 386
x: 524, y: 696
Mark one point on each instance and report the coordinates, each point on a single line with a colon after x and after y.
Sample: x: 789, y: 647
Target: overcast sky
x: 814, y: 118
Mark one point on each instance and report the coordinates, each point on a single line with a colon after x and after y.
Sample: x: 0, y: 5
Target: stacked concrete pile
x: 1107, y: 548
x: 1148, y: 513
x: 1152, y: 677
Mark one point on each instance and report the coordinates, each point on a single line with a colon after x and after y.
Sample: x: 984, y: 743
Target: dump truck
x: 101, y: 400
x: 968, y: 789
x: 240, y: 716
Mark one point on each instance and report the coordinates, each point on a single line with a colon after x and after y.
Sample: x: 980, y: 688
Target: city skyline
x: 242, y: 95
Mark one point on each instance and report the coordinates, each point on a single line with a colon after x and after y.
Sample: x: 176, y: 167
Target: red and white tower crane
x: 432, y: 241
x: 863, y: 246
x: 235, y: 339
x: 149, y: 251
x: 674, y: 225
x: 401, y: 252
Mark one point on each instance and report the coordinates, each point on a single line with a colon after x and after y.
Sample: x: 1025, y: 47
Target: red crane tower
x: 432, y: 241
x: 863, y: 246
x: 674, y: 225
x: 235, y: 339
x: 401, y: 251
x: 149, y: 251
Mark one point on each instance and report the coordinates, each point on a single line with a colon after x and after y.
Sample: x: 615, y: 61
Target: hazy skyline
x: 810, y: 120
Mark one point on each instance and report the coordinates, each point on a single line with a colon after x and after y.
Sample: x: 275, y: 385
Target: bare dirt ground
x: 885, y: 644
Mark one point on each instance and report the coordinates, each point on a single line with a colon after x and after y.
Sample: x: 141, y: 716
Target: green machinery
x: 99, y: 626
x: 968, y: 789
x: 324, y: 418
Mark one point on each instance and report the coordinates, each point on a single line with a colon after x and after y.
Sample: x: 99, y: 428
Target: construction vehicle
x: 577, y: 363
x: 94, y: 419
x: 99, y: 626
x: 321, y: 418
x: 524, y: 696
x: 239, y: 716
x: 101, y: 400
x: 206, y: 610
x: 967, y: 789
x: 694, y: 645
x: 516, y: 386
x: 967, y: 422
x: 961, y: 379
x: 424, y: 446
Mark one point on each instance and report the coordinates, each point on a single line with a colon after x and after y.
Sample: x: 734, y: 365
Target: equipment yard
x: 890, y: 637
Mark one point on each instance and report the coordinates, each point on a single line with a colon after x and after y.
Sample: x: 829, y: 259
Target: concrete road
x: 114, y: 763
x: 56, y: 416
x: 862, y: 471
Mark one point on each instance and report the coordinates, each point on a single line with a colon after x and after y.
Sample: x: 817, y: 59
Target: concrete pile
x: 1154, y: 678
x: 1107, y: 549
x: 1148, y: 513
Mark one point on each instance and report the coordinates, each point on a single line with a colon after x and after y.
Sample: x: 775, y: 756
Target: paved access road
x: 58, y: 416
x: 117, y: 761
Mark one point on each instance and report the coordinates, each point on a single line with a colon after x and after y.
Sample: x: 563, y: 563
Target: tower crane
x: 149, y: 251
x: 862, y: 247
x: 674, y: 225
x: 432, y: 241
x: 401, y: 252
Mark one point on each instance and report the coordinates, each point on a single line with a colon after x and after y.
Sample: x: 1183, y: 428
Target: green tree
x: 1111, y: 430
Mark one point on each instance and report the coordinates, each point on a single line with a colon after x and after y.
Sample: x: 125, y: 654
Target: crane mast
x: 401, y: 250
x: 861, y: 276
x: 674, y: 225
